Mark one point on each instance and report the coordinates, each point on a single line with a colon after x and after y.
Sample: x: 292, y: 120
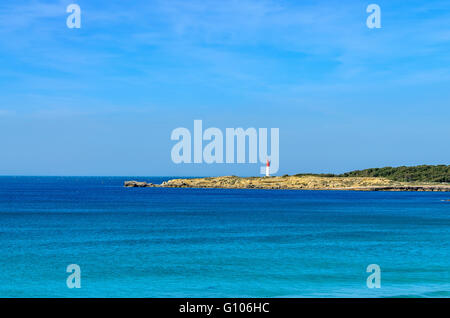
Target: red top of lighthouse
x: 268, y: 163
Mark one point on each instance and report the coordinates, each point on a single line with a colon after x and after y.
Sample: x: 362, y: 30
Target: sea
x: 180, y: 242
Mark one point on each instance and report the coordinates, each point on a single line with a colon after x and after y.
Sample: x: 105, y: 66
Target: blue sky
x: 103, y: 99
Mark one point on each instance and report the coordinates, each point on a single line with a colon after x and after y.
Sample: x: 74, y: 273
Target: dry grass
x: 289, y: 182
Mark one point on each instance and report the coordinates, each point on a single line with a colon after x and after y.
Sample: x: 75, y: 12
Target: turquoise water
x: 155, y: 242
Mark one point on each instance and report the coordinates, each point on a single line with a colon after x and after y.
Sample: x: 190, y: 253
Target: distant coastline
x: 418, y: 178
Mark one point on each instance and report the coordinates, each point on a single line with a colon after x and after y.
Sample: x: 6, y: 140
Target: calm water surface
x: 155, y: 242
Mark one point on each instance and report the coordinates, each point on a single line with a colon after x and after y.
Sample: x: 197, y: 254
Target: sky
x: 103, y: 99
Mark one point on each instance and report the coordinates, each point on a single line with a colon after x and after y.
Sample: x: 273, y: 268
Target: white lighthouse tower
x: 268, y: 168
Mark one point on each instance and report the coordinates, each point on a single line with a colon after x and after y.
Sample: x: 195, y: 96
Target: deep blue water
x: 155, y: 242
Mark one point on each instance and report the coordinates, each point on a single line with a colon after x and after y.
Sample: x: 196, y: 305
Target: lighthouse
x: 268, y: 168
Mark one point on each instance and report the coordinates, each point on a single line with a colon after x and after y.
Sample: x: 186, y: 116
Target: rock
x: 137, y: 184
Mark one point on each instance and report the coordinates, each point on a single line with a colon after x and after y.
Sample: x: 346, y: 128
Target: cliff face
x: 298, y: 183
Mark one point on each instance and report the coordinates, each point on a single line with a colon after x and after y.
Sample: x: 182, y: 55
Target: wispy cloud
x: 257, y: 44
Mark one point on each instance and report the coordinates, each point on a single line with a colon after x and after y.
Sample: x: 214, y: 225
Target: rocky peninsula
x: 303, y: 182
x: 404, y: 178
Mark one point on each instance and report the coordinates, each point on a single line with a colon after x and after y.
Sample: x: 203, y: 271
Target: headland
x: 418, y: 178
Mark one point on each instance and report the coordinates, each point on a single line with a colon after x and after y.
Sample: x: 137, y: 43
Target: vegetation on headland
x: 423, y: 173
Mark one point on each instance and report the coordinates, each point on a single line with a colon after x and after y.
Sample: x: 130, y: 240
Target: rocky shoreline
x: 294, y: 183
